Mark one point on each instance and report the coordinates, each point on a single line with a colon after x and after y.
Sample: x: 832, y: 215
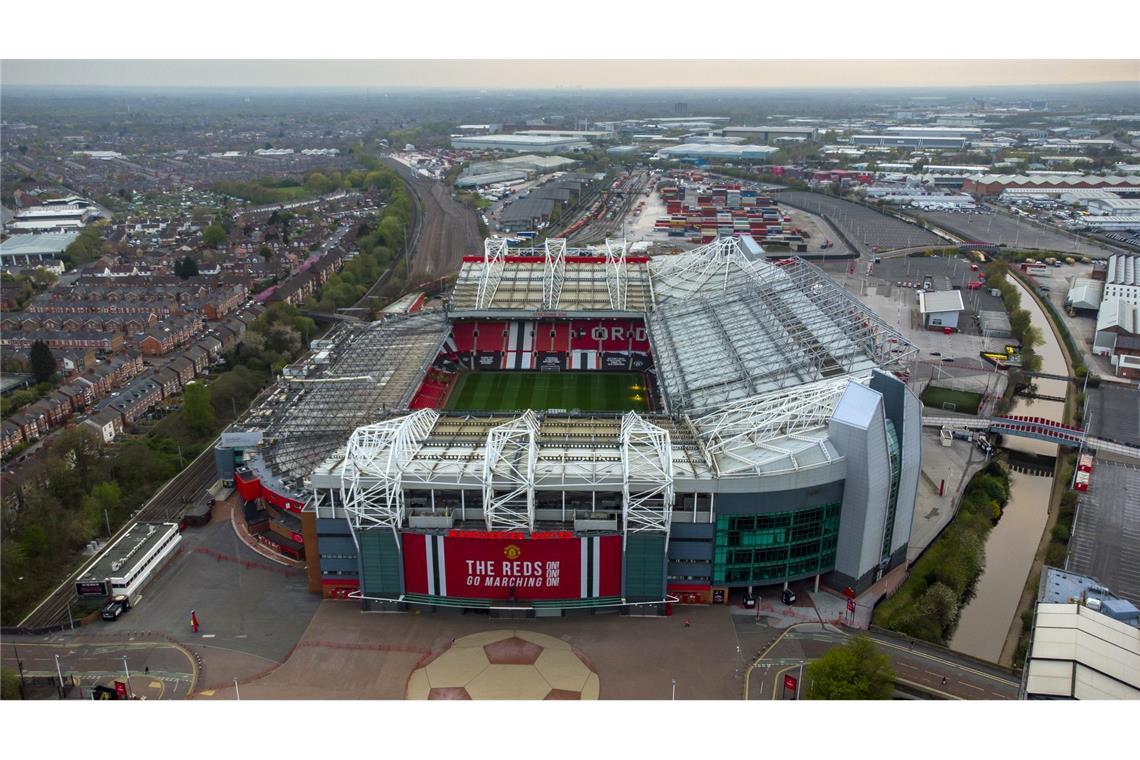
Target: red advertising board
x: 120, y: 690
x: 520, y: 567
x: 790, y: 682
x: 850, y: 605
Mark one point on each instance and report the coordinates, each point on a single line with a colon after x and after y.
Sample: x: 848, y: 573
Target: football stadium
x: 584, y: 430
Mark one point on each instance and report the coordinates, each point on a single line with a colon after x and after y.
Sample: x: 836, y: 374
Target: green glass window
x: 764, y: 549
x: 893, y: 498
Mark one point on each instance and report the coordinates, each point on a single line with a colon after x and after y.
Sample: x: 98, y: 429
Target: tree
x: 104, y: 498
x: 42, y: 361
x: 197, y: 411
x: 186, y: 268
x: 10, y: 680
x: 856, y: 670
x: 214, y: 235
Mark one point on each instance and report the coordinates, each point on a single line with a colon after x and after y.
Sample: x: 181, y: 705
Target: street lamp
x: 237, y: 691
x: 59, y: 672
x: 674, y: 694
x: 130, y: 694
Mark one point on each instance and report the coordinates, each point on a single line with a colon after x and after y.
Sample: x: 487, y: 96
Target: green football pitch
x: 515, y: 391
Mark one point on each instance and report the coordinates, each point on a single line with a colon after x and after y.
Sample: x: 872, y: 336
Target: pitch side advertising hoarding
x: 512, y: 565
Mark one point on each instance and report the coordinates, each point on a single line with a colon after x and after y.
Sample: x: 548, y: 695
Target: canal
x: 1012, y: 544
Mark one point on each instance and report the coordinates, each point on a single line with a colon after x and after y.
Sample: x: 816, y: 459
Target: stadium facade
x: 778, y: 445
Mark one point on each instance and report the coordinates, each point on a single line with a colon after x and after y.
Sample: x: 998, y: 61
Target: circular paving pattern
x: 505, y: 665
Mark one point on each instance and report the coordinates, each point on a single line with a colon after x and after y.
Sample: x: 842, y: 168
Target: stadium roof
x: 727, y: 328
x: 356, y: 377
x: 553, y: 278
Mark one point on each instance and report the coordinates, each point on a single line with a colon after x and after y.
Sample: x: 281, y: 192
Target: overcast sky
x: 498, y: 74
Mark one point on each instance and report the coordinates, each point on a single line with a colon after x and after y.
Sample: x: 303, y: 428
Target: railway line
x: 167, y: 505
x: 611, y: 217
x: 445, y: 229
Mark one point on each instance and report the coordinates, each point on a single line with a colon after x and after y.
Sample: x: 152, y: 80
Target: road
x: 919, y: 667
x: 158, y: 670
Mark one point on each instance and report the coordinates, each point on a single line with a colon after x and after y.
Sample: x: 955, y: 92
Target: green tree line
x: 379, y: 242
x: 942, y: 581
x: 81, y: 484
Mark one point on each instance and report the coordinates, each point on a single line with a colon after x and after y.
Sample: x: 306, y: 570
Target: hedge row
x: 942, y: 581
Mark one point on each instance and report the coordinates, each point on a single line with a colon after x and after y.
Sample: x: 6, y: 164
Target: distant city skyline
x: 566, y: 74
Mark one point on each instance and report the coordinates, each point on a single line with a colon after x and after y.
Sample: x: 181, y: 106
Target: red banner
x: 519, y: 568
x: 790, y: 682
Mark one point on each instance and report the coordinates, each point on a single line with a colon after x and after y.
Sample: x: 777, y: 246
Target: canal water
x: 1011, y: 545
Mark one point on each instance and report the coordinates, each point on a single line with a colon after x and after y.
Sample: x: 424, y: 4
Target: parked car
x: 117, y: 606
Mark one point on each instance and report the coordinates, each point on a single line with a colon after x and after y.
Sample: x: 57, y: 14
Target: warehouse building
x: 520, y: 143
x: 769, y: 134
x: 1084, y: 642
x: 35, y: 249
x: 971, y: 133
x: 995, y: 184
x: 1114, y: 206
x: 909, y: 141
x: 698, y: 152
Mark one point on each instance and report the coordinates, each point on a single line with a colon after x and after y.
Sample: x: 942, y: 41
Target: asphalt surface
x: 1002, y: 229
x: 243, y: 601
x: 918, y: 667
x: 867, y: 229
x: 1115, y: 413
x: 1106, y: 535
x: 158, y: 670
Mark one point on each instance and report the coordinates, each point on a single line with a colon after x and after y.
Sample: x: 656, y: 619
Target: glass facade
x: 763, y: 549
x: 893, y: 497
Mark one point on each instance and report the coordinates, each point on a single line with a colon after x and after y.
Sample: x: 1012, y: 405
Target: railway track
x: 167, y: 505
x: 600, y: 229
x: 446, y: 229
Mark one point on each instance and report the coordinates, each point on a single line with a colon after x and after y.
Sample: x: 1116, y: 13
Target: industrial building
x: 941, y: 131
x: 910, y: 141
x: 768, y: 134
x: 772, y: 443
x: 1118, y: 318
x: 520, y: 143
x: 35, y: 249
x: 699, y: 152
x: 1084, y: 641
x: 1122, y: 207
x: 995, y: 184
x: 51, y: 217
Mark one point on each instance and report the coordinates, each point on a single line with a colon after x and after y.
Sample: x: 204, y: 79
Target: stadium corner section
x: 782, y: 450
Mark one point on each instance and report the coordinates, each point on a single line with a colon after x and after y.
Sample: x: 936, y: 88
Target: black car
x: 115, y: 607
